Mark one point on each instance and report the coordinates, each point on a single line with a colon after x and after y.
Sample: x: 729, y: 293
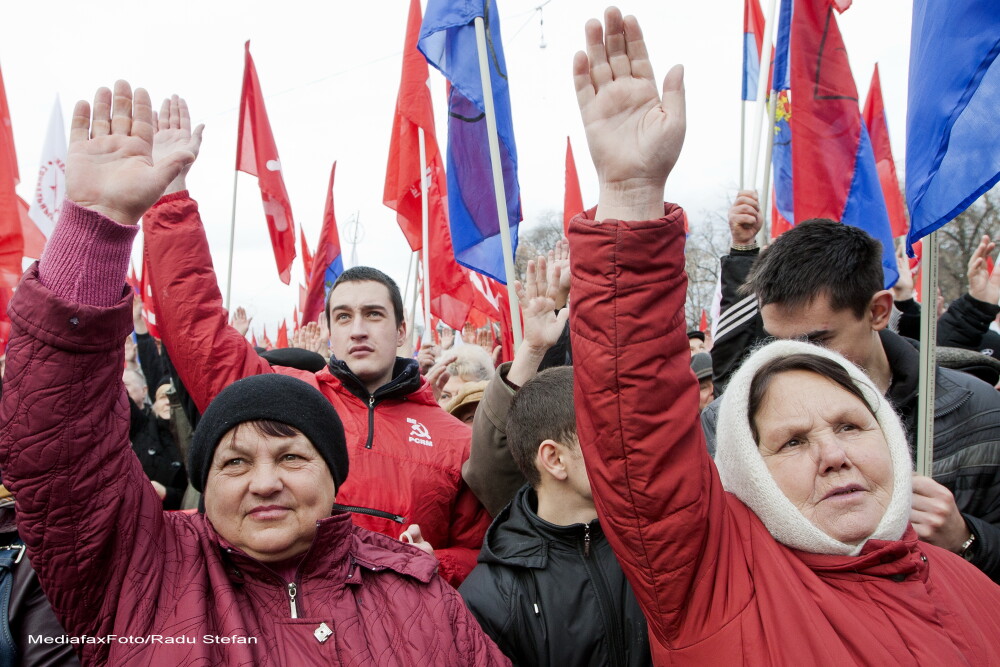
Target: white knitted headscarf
x: 745, y: 474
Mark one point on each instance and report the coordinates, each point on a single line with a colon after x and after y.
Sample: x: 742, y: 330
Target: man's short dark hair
x: 541, y: 410
x: 357, y: 274
x: 815, y: 257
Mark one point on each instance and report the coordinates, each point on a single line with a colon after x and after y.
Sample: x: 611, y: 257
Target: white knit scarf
x: 745, y: 474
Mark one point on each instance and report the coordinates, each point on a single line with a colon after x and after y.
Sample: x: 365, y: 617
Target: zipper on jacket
x: 371, y: 421
x: 292, y: 591
x: 370, y: 512
x: 605, y: 601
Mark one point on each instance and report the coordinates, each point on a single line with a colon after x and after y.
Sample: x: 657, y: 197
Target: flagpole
x: 409, y: 274
x: 498, y: 186
x: 743, y: 139
x: 764, y: 235
x: 762, y: 83
x: 928, y: 356
x: 415, y: 263
x: 424, y: 211
x: 232, y: 239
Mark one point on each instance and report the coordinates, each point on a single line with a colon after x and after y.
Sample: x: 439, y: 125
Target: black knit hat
x: 271, y: 397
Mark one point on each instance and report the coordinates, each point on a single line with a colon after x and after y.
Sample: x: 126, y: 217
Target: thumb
x: 171, y: 166
x: 673, y: 92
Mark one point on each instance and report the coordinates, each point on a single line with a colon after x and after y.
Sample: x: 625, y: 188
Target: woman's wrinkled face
x: 826, y: 452
x: 264, y: 494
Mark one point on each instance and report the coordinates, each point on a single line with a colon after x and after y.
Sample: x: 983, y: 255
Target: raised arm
x: 654, y: 486
x: 86, y: 511
x: 207, y: 353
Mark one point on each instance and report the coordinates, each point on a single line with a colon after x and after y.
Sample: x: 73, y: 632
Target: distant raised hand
x: 109, y: 162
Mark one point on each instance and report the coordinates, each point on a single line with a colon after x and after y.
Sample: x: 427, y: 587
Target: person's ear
x: 401, y: 333
x: 550, y: 460
x: 880, y: 309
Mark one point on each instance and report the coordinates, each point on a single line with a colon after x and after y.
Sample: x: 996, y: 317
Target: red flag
x: 451, y: 292
x: 12, y: 208
x: 282, y: 341
x: 295, y: 319
x: 573, y: 199
x: 703, y: 324
x: 327, y: 263
x: 146, y: 294
x: 253, y: 339
x: 267, y: 341
x: 307, y: 257
x: 257, y: 155
x: 878, y: 130
x: 303, y: 292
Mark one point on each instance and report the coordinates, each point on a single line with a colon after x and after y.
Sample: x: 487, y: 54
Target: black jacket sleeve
x: 909, y: 318
x: 965, y: 323
x: 740, y: 326
x: 151, y: 362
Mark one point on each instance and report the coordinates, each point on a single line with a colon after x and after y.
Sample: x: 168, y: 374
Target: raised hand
x: 557, y: 274
x: 745, y: 219
x: 138, y: 323
x: 635, y: 136
x: 240, y: 321
x: 903, y: 289
x: 983, y: 284
x: 173, y: 133
x: 109, y: 164
x: 542, y: 325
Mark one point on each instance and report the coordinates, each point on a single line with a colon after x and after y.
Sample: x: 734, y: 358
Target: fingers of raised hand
x: 100, y: 121
x: 121, y: 109
x: 80, y: 125
x: 597, y: 55
x: 614, y: 43
x: 175, y: 113
x: 636, y: 47
x: 142, y: 116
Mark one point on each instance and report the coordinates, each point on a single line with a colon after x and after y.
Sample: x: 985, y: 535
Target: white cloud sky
x: 330, y: 72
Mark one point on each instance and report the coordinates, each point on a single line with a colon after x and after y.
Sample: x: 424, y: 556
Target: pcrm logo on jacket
x: 419, y: 433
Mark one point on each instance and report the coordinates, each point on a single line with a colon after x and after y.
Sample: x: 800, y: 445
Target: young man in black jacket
x: 548, y: 589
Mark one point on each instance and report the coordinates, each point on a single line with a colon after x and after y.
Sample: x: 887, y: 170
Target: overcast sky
x: 330, y: 72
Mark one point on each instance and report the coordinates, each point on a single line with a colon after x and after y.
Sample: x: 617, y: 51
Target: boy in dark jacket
x: 548, y: 589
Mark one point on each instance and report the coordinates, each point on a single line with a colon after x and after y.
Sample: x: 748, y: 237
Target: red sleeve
x: 469, y: 521
x: 657, y: 492
x: 208, y: 354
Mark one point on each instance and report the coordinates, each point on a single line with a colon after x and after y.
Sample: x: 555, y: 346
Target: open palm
x: 109, y: 165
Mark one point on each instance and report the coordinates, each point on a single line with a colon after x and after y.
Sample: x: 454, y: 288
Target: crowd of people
x: 624, y: 491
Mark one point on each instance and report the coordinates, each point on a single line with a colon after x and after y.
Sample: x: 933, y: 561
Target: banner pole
x: 424, y: 211
x: 232, y: 239
x: 762, y: 84
x: 498, y: 186
x: 928, y: 356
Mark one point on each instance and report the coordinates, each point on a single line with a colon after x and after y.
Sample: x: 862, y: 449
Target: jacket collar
x: 903, y: 355
x: 900, y: 559
x: 406, y: 379
x: 337, y: 549
x: 518, y: 537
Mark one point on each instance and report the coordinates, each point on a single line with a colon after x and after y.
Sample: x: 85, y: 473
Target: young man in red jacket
x: 406, y: 453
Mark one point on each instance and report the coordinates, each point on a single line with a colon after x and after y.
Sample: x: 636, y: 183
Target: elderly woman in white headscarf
x: 793, y: 548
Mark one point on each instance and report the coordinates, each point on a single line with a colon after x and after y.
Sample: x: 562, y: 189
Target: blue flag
x: 952, y: 130
x: 448, y: 42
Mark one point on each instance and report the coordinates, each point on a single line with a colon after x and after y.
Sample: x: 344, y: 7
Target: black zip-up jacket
x: 554, y: 595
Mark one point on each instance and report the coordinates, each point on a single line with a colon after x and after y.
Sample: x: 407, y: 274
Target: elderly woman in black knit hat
x: 270, y: 573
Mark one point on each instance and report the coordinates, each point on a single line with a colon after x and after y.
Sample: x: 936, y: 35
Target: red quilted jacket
x: 155, y: 588
x: 406, y: 453
x: 716, y: 588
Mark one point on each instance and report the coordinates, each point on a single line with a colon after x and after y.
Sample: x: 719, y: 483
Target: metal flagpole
x: 928, y: 356
x: 232, y: 239
x: 424, y: 211
x: 762, y: 83
x: 743, y: 140
x: 498, y: 185
x: 764, y: 235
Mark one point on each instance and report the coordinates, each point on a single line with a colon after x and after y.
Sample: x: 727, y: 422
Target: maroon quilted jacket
x: 158, y: 588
